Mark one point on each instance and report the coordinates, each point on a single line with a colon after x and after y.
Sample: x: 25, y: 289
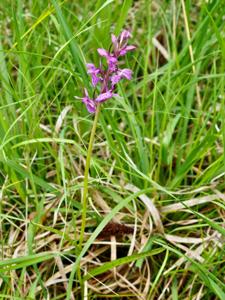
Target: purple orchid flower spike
x: 108, y: 77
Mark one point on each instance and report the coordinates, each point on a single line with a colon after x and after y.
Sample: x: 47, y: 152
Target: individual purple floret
x: 95, y: 74
x: 108, y: 77
x: 111, y: 59
x: 124, y: 73
x: 90, y: 103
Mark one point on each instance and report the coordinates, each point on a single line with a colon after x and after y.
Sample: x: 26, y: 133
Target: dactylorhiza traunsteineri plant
x: 104, y: 81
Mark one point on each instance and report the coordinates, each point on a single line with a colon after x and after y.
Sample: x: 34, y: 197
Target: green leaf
x: 120, y: 261
x: 24, y: 261
x: 74, y: 47
x: 25, y: 174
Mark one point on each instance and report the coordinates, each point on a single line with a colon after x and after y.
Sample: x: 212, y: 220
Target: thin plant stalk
x: 86, y: 172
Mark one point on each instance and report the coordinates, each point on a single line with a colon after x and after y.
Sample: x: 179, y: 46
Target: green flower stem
x: 86, y: 172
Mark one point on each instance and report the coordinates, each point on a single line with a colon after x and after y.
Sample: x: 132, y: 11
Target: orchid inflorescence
x: 108, y: 78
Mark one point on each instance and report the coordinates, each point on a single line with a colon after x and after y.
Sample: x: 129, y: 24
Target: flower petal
x: 124, y: 50
x: 112, y: 59
x: 93, y: 71
x: 91, y: 107
x: 115, y: 79
x: 112, y: 63
x: 114, y: 41
x: 114, y: 38
x: 94, y: 80
x: 90, y: 67
x: 103, y: 52
x: 125, y: 34
x: 104, y: 96
x: 90, y: 104
x: 86, y: 93
x: 130, y: 47
x: 126, y: 73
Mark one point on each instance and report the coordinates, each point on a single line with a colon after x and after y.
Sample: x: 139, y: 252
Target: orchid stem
x: 86, y: 172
